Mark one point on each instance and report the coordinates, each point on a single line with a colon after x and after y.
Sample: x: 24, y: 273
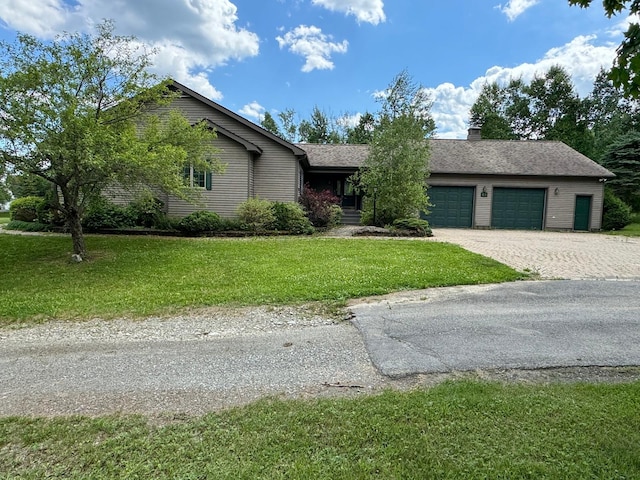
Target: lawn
x: 4, y: 218
x: 631, y: 230
x: 138, y: 276
x: 465, y: 430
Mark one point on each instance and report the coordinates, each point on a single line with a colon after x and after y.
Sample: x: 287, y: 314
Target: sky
x: 257, y: 56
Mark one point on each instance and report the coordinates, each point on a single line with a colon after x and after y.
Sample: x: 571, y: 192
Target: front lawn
x: 4, y: 218
x: 462, y: 430
x: 138, y: 276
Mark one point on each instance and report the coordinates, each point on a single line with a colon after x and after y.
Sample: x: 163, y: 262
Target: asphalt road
x: 523, y: 325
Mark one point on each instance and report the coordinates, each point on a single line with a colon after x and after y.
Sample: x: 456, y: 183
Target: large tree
x: 394, y: 175
x: 625, y: 72
x: 623, y: 158
x: 80, y: 112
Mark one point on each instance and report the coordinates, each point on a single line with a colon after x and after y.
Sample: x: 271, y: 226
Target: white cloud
x: 580, y: 57
x: 313, y: 45
x: 190, y: 36
x: 515, y: 8
x: 253, y: 110
x: 369, y: 11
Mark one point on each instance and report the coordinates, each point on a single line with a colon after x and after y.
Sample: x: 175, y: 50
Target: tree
x: 625, y: 72
x: 289, y: 126
x: 319, y: 128
x: 393, y: 177
x: 489, y: 112
x: 5, y: 195
x: 269, y: 124
x: 623, y: 159
x: 362, y: 133
x: 83, y: 113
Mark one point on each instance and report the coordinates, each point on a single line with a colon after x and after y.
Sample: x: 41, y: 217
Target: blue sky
x: 254, y: 56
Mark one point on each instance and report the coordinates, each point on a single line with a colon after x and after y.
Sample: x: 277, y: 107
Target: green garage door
x: 518, y: 208
x: 452, y: 207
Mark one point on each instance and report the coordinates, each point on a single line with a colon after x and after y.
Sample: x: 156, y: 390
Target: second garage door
x: 518, y: 208
x: 452, y: 207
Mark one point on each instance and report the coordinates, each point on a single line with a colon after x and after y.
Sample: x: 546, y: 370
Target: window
x: 195, y: 178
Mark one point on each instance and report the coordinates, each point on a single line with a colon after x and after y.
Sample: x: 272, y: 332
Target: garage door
x: 452, y: 207
x: 518, y: 208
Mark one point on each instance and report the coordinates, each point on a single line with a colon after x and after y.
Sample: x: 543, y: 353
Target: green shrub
x: 200, y: 222
x: 27, y: 226
x: 232, y: 225
x: 25, y: 209
x: 616, y: 214
x: 290, y: 217
x: 101, y: 213
x: 148, y: 211
x: 257, y: 214
x: 417, y: 225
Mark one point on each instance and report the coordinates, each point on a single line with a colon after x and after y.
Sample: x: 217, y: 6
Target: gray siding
x: 275, y: 171
x: 228, y: 189
x: 559, y: 209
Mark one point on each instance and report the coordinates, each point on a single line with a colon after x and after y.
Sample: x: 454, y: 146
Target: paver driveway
x: 553, y: 254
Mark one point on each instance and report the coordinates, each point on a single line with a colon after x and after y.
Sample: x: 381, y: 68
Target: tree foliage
x: 393, y: 177
x: 623, y: 159
x: 269, y: 124
x: 80, y: 112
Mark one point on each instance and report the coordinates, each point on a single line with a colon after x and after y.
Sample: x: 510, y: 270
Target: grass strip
x: 466, y: 430
x: 139, y: 276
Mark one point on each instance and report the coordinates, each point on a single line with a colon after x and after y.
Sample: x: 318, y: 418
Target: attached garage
x: 452, y: 207
x: 518, y: 208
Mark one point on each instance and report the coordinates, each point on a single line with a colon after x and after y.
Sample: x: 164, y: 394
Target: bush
x: 417, y: 225
x: 256, y: 214
x: 148, y: 211
x: 200, y: 222
x: 289, y: 217
x: 322, y: 208
x: 101, y: 213
x: 27, y: 226
x: 616, y: 214
x: 25, y: 209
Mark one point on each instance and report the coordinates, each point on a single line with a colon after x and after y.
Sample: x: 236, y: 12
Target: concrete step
x: 350, y: 217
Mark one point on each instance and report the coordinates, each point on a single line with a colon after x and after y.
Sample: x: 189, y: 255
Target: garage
x: 452, y: 207
x: 518, y: 208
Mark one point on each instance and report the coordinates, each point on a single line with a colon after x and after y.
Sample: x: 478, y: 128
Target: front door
x: 582, y: 213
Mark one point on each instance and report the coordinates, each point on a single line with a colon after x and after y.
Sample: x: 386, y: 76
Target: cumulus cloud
x: 191, y: 37
x: 369, y: 11
x: 514, y: 8
x: 253, y: 110
x: 580, y: 57
x: 315, y: 46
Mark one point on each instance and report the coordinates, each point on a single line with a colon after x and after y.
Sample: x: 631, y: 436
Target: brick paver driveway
x: 553, y: 254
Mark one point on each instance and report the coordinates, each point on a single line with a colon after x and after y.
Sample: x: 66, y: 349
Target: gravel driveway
x: 575, y: 256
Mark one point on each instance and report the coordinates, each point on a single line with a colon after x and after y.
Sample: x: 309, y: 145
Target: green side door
x: 452, y: 207
x: 518, y: 208
x: 582, y: 213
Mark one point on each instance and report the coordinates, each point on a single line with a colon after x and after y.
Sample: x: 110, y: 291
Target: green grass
x: 140, y: 276
x: 465, y: 430
x: 4, y: 218
x: 631, y: 230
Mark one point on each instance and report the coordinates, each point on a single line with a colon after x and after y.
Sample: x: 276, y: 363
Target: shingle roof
x: 483, y: 157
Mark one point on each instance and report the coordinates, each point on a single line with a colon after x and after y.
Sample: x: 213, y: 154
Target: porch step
x: 350, y: 217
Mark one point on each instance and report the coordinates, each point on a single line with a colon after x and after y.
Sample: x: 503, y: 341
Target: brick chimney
x: 474, y: 134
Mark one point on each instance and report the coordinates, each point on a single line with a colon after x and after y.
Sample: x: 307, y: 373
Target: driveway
x: 553, y: 254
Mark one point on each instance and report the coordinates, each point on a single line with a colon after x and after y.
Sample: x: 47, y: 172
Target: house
x: 474, y: 183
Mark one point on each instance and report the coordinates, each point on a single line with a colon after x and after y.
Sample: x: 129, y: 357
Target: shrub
x: 27, y: 226
x: 289, y: 217
x: 25, y: 209
x: 200, y: 222
x: 256, y: 214
x: 616, y: 214
x: 320, y: 207
x: 148, y: 211
x: 232, y: 224
x: 417, y: 225
x: 101, y: 213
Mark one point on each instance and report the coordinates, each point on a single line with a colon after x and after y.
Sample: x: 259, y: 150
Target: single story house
x: 474, y: 183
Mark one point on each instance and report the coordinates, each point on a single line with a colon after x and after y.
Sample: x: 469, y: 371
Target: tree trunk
x: 77, y: 236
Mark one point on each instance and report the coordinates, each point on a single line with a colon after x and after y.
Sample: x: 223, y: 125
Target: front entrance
x: 582, y: 213
x: 340, y: 186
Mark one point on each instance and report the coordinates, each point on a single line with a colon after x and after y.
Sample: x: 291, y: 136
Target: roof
x: 481, y: 157
x: 186, y: 90
x: 251, y: 147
